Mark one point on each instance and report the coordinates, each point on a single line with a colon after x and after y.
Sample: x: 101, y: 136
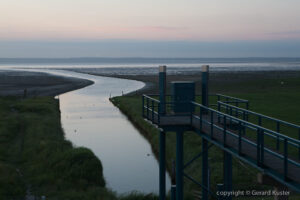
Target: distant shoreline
x: 20, y: 83
x: 228, y: 77
x: 13, y: 83
x: 146, y: 60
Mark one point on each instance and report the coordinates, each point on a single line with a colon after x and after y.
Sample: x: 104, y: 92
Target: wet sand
x: 13, y: 83
x: 16, y: 83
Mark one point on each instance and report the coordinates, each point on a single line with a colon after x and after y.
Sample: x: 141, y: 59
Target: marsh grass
x: 35, y: 156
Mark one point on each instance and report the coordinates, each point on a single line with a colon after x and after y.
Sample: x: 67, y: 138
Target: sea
x: 144, y: 66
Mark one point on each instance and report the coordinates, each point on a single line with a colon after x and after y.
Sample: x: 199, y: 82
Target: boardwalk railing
x: 220, y: 97
x: 232, y: 100
x: 259, y: 142
x: 274, y: 124
x: 234, y: 131
x: 150, y: 109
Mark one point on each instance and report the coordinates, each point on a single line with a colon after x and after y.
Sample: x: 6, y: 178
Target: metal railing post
x: 200, y: 118
x: 143, y: 106
x: 277, y: 139
x: 211, y: 124
x: 224, y: 131
x: 230, y: 117
x: 262, y: 148
x: 259, y: 120
x: 247, y: 108
x: 240, y: 138
x: 219, y: 109
x: 285, y: 167
x: 258, y: 151
x: 299, y: 144
x: 244, y: 118
x: 152, y: 108
x: 147, y: 101
x: 158, y: 111
x: 227, y: 109
x: 191, y: 113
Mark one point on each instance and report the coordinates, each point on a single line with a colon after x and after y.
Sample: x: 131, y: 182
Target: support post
x: 143, y: 106
x: 179, y: 165
x: 173, y: 182
x: 204, y: 169
x: 162, y: 89
x: 299, y: 145
x: 205, y: 77
x: 162, y: 165
x: 227, y: 173
x: 220, y: 189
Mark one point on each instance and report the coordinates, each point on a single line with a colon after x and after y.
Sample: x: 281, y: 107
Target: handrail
x: 233, y: 99
x: 251, y: 142
x: 248, y: 123
x: 148, y: 97
x: 216, y: 94
x: 261, y: 115
x: 230, y: 97
x: 260, y: 133
x: 237, y: 119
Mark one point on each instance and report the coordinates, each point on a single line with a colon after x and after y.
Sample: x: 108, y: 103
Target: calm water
x: 89, y: 119
x: 134, y: 66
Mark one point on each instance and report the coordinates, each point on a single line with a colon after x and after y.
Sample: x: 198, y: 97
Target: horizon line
x: 146, y: 57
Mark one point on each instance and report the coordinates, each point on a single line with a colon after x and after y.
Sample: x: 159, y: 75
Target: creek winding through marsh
x: 89, y: 119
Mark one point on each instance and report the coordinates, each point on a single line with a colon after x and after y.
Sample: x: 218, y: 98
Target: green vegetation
x: 35, y: 158
x: 275, y: 97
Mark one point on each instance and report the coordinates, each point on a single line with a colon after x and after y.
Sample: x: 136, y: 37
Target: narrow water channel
x: 89, y: 119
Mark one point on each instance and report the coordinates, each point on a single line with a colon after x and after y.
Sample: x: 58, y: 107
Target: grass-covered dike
x: 276, y: 97
x: 37, y: 160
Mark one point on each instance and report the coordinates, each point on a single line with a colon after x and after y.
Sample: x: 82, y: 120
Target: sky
x: 156, y: 28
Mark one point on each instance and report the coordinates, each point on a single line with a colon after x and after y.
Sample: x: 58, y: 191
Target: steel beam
x: 204, y: 169
x: 173, y: 181
x: 179, y: 165
x: 162, y: 89
x: 227, y: 173
x: 162, y: 137
x: 205, y: 76
x: 162, y: 165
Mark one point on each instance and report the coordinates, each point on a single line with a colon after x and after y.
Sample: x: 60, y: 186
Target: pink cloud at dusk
x: 159, y: 20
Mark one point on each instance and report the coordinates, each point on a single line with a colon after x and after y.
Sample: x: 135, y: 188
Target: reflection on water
x: 90, y: 120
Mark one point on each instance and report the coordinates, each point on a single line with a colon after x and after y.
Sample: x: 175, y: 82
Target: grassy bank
x: 273, y: 96
x: 36, y: 159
